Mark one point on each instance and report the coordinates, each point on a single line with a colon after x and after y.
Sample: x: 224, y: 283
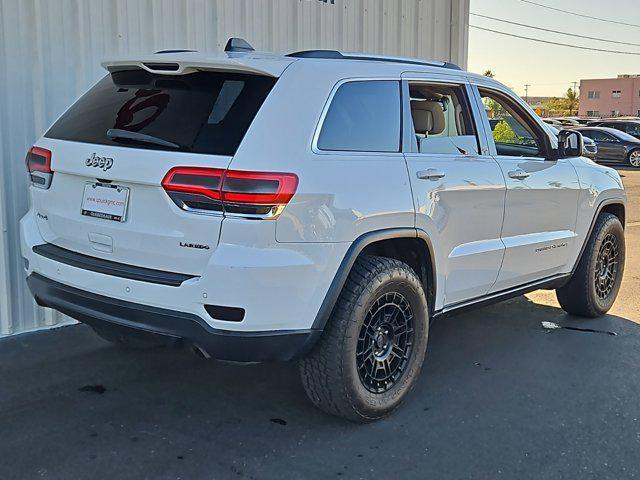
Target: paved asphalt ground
x: 499, y: 397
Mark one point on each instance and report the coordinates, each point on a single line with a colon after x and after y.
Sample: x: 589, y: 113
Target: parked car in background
x: 567, y: 122
x: 552, y: 121
x: 589, y: 147
x: 632, y: 127
x: 613, y: 145
x: 581, y: 120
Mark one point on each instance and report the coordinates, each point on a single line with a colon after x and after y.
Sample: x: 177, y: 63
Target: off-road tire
x: 581, y: 295
x: 130, y: 339
x: 330, y: 373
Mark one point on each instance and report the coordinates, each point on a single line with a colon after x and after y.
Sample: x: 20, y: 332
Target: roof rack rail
x: 178, y: 50
x: 238, y: 45
x: 336, y: 55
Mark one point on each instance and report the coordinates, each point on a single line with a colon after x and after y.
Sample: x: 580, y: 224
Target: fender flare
x: 356, y: 248
x: 601, y: 205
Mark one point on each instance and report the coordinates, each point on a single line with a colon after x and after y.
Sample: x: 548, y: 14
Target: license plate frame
x: 105, y: 201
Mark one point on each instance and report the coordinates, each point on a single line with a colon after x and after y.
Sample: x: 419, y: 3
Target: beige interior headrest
x: 428, y: 117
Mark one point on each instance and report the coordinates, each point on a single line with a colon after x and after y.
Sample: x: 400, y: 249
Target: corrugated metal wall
x: 50, y: 52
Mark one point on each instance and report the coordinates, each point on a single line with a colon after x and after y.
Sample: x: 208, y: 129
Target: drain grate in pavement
x: 555, y: 326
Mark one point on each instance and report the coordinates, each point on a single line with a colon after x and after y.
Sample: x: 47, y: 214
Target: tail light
x: 38, y: 162
x: 235, y: 192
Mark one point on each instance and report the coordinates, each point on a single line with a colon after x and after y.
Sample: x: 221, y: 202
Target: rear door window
x: 203, y: 112
x: 442, y: 119
x: 633, y: 129
x: 364, y: 116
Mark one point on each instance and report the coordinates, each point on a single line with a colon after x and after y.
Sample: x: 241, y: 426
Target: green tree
x: 566, y: 105
x: 489, y: 74
x: 572, y: 100
x: 503, y: 133
x: 493, y: 108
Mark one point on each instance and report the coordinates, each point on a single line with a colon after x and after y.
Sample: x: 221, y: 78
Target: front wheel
x: 634, y: 158
x: 371, y: 352
x: 595, y: 284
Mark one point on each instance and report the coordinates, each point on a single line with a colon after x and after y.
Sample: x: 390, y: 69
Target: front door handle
x: 519, y: 174
x: 430, y: 174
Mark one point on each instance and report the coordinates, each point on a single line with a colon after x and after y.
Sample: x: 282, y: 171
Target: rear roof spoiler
x: 181, y: 63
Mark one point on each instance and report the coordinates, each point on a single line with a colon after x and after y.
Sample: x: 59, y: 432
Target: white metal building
x: 50, y: 52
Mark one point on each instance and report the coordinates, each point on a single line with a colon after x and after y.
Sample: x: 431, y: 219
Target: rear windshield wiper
x: 119, y: 134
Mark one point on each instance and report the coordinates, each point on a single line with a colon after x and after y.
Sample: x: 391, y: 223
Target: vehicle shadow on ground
x: 497, y: 388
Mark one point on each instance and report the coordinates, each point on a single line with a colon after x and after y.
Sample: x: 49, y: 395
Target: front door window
x: 513, y: 131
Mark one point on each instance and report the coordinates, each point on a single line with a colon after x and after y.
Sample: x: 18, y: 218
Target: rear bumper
x: 102, y: 311
x: 280, y: 287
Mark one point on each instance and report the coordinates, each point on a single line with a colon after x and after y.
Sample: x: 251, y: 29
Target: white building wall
x: 50, y: 51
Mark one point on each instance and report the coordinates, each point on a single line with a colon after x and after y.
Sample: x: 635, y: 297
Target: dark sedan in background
x: 632, y: 127
x: 590, y: 148
x: 613, y: 145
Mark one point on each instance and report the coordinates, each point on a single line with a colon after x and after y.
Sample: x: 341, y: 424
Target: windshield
x: 203, y: 112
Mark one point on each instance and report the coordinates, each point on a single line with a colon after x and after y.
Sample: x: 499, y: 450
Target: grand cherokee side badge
x: 105, y: 163
x: 198, y: 246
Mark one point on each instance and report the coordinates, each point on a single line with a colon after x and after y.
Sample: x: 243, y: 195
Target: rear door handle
x: 430, y: 174
x: 519, y: 174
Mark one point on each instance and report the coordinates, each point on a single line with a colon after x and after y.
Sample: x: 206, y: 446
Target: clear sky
x: 550, y: 69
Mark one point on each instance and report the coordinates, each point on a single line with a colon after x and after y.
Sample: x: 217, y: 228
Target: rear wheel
x: 634, y: 158
x: 595, y: 284
x: 371, y: 352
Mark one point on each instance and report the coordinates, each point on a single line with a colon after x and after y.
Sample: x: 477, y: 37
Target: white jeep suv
x: 319, y: 205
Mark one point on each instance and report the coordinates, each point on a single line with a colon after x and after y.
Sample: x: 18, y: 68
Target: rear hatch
x: 111, y: 150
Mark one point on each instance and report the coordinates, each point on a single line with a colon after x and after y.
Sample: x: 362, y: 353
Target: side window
x: 514, y: 132
x: 617, y: 126
x: 633, y: 129
x: 363, y: 116
x: 588, y: 134
x: 442, y: 119
x: 595, y: 135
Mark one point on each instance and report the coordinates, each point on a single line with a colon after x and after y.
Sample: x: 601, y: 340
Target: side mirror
x: 570, y: 144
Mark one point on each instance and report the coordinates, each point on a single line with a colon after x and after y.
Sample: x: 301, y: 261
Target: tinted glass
x: 363, y: 116
x: 617, y: 126
x: 202, y: 112
x: 587, y: 134
x: 625, y: 137
x: 633, y: 129
x: 597, y: 135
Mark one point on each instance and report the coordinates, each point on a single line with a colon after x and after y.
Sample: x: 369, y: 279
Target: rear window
x: 203, y: 112
x: 363, y: 116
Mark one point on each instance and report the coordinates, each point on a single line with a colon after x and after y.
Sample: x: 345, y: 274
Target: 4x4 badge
x: 105, y: 163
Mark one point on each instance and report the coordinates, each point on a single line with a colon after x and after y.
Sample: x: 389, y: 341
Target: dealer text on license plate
x: 105, y: 201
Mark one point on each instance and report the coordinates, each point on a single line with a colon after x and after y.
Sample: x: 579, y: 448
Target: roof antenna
x: 238, y: 45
